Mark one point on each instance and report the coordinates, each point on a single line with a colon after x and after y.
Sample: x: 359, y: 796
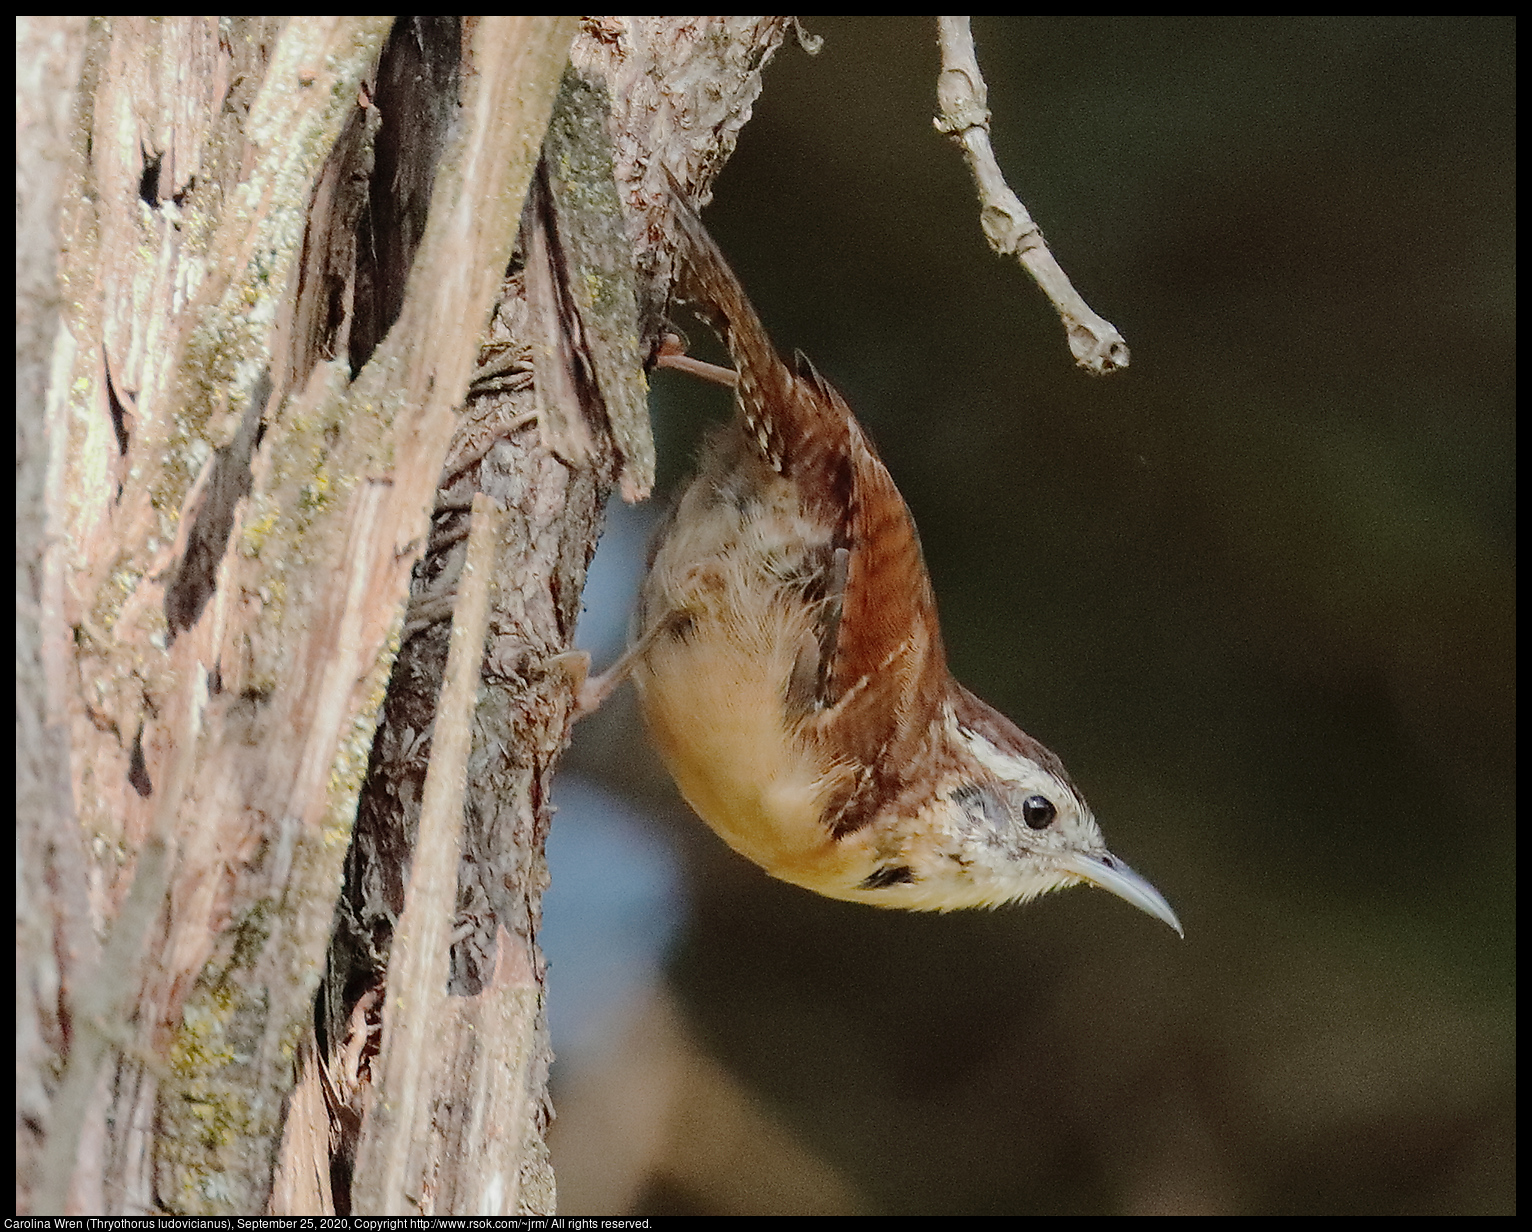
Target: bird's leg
x: 672, y: 354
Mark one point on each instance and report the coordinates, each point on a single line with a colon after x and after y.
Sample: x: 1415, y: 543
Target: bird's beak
x: 1111, y: 874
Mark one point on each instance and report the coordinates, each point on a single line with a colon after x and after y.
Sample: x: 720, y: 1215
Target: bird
x: 790, y: 665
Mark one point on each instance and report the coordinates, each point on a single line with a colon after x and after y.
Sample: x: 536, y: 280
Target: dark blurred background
x: 1257, y: 591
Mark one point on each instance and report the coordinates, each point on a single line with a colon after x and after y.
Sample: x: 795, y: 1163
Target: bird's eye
x: 1038, y: 812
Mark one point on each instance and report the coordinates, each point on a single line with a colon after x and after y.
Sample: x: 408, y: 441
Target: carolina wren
x: 791, y: 668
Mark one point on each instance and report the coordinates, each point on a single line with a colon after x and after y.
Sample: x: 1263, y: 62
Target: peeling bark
x: 294, y: 344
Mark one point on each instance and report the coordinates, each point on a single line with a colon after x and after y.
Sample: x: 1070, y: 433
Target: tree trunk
x: 297, y: 333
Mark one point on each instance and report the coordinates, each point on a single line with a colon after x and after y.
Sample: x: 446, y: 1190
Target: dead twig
x: 1096, y: 344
